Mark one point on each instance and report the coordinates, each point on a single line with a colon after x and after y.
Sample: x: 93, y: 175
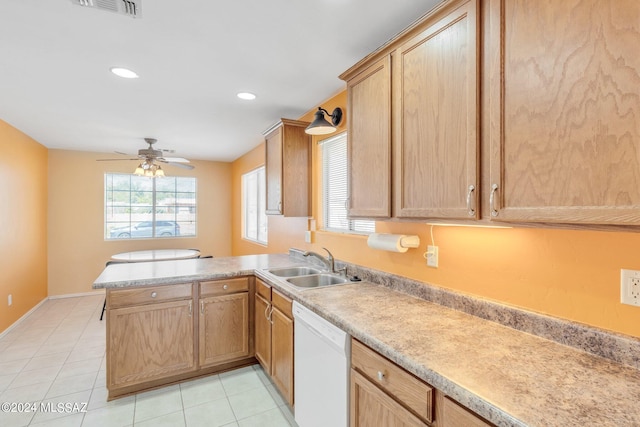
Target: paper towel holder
x: 393, y: 242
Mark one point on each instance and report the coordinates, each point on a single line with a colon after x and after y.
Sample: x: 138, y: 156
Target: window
x: 254, y: 199
x: 138, y: 207
x: 334, y: 189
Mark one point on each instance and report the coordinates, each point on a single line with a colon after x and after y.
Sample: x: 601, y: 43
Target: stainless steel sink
x: 294, y: 271
x: 317, y: 280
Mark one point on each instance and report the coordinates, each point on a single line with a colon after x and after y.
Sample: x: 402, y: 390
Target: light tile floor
x: 56, y: 356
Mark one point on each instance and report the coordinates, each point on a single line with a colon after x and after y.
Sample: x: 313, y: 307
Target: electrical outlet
x: 630, y: 287
x: 10, y: 300
x: 432, y: 256
x: 307, y: 236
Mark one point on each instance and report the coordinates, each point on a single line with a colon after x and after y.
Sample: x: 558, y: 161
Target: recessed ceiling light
x: 124, y: 73
x: 246, y: 95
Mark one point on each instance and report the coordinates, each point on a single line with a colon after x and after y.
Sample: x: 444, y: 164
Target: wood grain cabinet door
x: 263, y: 332
x: 224, y: 328
x: 565, y: 111
x: 273, y: 172
x: 369, y: 141
x: 150, y: 342
x: 282, y: 353
x: 435, y: 105
x: 372, y: 407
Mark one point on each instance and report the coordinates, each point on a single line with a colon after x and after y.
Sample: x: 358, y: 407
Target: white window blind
x: 335, y: 188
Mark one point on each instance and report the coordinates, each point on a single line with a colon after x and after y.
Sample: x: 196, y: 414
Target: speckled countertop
x: 509, y: 377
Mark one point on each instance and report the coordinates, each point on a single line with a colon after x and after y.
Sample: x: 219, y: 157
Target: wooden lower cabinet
x: 274, y: 337
x: 150, y: 342
x: 224, y: 328
x: 158, y: 335
x: 372, y: 407
x: 263, y: 331
x: 383, y: 394
x: 282, y: 345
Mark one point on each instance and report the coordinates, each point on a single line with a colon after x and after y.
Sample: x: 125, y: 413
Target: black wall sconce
x: 320, y: 126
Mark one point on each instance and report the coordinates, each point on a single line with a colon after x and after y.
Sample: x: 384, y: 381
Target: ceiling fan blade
x: 111, y: 160
x: 174, y: 159
x: 180, y: 165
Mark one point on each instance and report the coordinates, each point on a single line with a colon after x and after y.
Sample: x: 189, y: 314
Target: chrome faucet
x: 328, y: 261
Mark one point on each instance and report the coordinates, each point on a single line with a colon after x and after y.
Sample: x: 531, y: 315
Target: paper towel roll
x: 393, y: 242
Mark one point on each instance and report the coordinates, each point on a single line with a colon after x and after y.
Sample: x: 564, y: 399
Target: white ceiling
x: 192, y: 58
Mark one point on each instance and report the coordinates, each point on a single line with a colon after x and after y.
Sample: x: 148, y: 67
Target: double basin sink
x: 308, y: 277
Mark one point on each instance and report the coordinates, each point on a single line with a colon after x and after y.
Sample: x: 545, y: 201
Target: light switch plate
x: 432, y: 256
x: 630, y: 287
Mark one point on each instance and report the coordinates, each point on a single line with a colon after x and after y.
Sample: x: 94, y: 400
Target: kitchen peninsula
x: 507, y: 377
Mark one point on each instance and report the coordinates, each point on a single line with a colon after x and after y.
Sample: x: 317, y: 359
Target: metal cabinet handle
x: 201, y: 307
x: 492, y: 200
x: 190, y: 308
x: 471, y: 209
x: 380, y: 376
x: 270, y: 315
x: 225, y: 287
x: 266, y: 312
x: 154, y: 294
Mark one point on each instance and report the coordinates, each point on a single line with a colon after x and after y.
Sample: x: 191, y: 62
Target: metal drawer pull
x: 471, y: 210
x: 492, y: 200
x: 380, y: 376
x: 154, y: 294
x: 225, y: 287
x: 190, y: 308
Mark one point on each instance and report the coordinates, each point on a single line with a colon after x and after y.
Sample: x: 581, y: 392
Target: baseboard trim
x: 21, y: 319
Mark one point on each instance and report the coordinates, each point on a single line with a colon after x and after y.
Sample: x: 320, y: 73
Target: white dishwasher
x: 321, y: 365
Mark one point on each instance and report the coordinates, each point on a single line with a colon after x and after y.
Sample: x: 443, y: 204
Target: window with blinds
x: 335, y: 189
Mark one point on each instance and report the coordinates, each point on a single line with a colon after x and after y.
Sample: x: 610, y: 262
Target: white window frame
x: 254, y: 205
x: 113, y: 219
x: 335, y: 188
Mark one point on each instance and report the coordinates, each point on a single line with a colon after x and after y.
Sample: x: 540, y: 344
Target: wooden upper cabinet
x: 413, y: 121
x: 435, y: 93
x: 565, y: 111
x: 369, y: 141
x: 288, y: 169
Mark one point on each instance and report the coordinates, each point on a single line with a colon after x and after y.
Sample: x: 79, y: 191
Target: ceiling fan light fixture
x: 320, y: 125
x: 125, y: 73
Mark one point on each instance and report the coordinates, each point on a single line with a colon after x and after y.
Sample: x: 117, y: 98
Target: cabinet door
x: 565, y: 111
x: 282, y: 354
x: 436, y: 119
x: 371, y: 407
x: 263, y: 332
x: 369, y: 142
x: 273, y: 170
x: 224, y: 328
x: 149, y: 342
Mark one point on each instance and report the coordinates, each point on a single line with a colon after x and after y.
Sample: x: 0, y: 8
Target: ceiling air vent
x: 132, y: 8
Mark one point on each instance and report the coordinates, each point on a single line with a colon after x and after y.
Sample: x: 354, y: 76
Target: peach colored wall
x: 77, y: 249
x: 569, y: 274
x: 23, y: 223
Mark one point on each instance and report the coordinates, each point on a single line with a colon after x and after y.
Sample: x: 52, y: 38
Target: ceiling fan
x: 150, y: 156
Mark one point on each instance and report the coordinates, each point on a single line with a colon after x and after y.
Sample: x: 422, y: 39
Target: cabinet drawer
x: 282, y: 303
x: 226, y: 286
x: 457, y: 416
x: 263, y: 289
x: 412, y: 392
x: 147, y: 295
